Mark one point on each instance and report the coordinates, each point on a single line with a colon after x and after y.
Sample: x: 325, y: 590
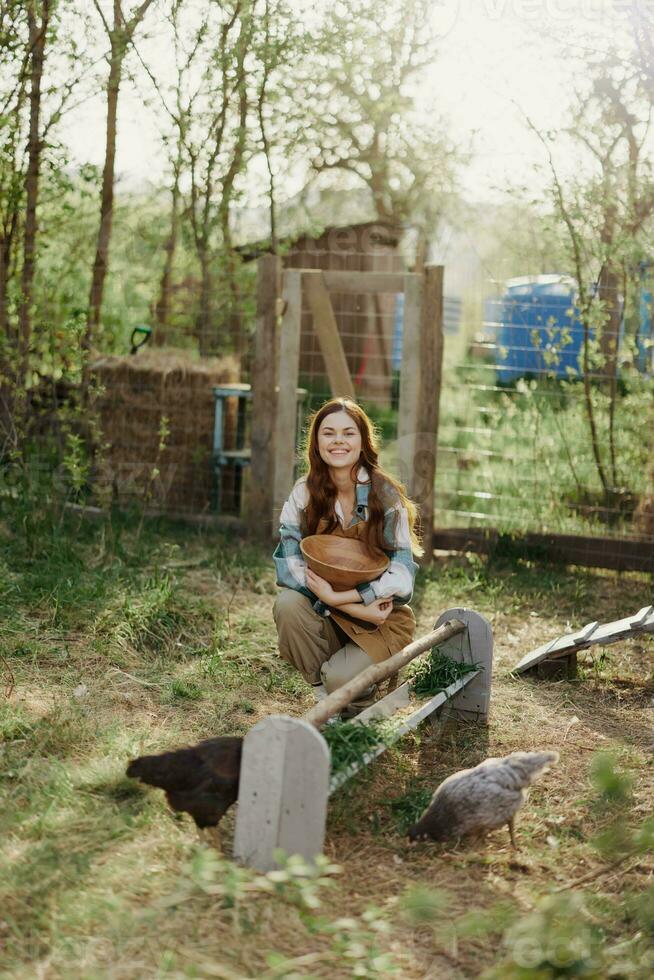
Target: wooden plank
x: 642, y: 616
x: 365, y: 282
x: 289, y: 363
x: 305, y: 789
x: 264, y: 401
x: 283, y: 789
x: 374, y: 304
x: 431, y: 366
x: 326, y: 328
x: 408, y: 413
x: 533, y: 658
x: 590, y: 635
x: 622, y: 554
x: 648, y: 625
x: 474, y: 646
x: 609, y: 633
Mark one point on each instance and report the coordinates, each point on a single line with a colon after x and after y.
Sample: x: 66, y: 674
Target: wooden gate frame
x: 276, y: 367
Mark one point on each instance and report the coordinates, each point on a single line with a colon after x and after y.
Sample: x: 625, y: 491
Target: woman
x: 331, y: 636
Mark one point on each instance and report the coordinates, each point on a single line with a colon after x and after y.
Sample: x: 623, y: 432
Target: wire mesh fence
x: 369, y: 325
x: 546, y: 420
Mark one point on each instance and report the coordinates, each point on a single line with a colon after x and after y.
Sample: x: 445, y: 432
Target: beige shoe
x: 364, y: 701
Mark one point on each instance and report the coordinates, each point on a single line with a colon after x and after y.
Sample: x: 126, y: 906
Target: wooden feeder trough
x: 558, y: 658
x: 286, y: 780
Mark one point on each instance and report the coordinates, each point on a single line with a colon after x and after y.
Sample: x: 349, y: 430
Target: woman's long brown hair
x: 383, y: 487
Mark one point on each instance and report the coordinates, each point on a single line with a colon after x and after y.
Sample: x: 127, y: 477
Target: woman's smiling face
x: 339, y: 440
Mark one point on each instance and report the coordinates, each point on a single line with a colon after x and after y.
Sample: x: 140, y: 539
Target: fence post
x: 283, y: 790
x: 431, y: 371
x: 289, y: 366
x: 264, y: 400
x: 409, y: 401
x: 420, y: 387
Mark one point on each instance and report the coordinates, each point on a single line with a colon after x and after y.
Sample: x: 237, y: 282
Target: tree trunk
x: 608, y: 293
x: 100, y: 264
x: 162, y: 309
x: 5, y: 256
x: 205, y: 319
x: 37, y: 36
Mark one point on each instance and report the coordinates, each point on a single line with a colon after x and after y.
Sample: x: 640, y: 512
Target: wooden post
x: 264, y: 401
x: 431, y: 368
x: 473, y: 646
x: 289, y: 364
x: 407, y: 422
x: 324, y: 323
x: 283, y: 791
x: 420, y: 386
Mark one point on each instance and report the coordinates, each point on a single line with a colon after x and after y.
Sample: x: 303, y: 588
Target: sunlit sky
x: 493, y: 53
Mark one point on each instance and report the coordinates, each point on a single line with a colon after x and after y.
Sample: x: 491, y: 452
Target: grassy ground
x: 114, y: 644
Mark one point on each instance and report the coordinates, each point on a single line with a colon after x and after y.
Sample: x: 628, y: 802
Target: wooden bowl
x: 343, y: 562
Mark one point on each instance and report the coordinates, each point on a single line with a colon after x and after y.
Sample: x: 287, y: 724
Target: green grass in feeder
x: 436, y: 672
x: 349, y: 742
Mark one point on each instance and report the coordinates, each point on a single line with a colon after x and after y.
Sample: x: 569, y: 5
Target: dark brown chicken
x: 201, y: 780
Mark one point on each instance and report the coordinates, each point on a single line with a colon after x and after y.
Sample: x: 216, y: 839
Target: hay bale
x: 141, y: 395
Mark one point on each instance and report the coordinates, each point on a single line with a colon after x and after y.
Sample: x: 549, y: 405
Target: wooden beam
x: 431, y: 367
x: 365, y: 282
x: 324, y: 323
x: 289, y: 363
x: 264, y: 401
x: 622, y: 554
x: 407, y: 422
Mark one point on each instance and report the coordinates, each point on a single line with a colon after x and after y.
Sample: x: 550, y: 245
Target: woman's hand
x: 376, y: 612
x: 321, y: 588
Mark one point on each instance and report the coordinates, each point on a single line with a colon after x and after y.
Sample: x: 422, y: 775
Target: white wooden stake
x: 284, y: 785
x: 474, y: 646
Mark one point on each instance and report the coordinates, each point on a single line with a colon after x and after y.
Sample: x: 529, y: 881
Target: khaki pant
x: 314, y: 644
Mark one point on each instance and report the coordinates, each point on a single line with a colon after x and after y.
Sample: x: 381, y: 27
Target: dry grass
x: 103, y: 881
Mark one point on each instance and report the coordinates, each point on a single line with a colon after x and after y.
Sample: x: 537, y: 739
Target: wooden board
x: 326, y: 328
x: 365, y: 282
x: 622, y: 554
x: 431, y: 366
x: 264, y: 402
x: 282, y: 799
x: 475, y: 646
x: 408, y: 413
x: 591, y: 634
x: 289, y: 361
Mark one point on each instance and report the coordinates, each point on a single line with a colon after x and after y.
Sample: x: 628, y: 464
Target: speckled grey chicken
x: 477, y: 800
x: 201, y: 780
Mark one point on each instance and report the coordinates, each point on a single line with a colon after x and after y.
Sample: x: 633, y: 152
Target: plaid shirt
x: 397, y: 581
